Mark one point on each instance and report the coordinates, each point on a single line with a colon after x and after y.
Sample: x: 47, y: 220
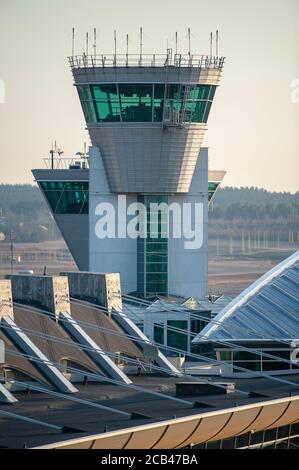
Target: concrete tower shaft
x: 148, y: 120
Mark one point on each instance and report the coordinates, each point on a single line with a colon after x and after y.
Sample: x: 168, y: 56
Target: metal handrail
x: 59, y: 163
x: 148, y: 60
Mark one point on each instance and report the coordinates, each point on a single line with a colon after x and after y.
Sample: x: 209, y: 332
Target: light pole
x: 2, y: 235
x: 11, y: 251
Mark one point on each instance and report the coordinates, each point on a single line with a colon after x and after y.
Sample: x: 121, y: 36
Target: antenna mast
x: 217, y: 42
x: 140, y: 46
x: 52, y: 157
x: 95, y: 43
x: 115, y: 46
x: 87, y: 43
x: 189, y: 42
x: 211, y: 44
x: 73, y: 42
x: 127, y: 50
x: 176, y: 43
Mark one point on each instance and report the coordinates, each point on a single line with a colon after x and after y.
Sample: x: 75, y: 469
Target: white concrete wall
x: 118, y: 255
x: 188, y: 268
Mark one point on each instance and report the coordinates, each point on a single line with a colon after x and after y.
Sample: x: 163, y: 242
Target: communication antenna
x: 217, y: 43
x: 87, y: 43
x: 141, y: 34
x: 73, y: 42
x: 176, y: 43
x: 115, y: 43
x: 95, y: 43
x: 189, y: 42
x: 115, y: 48
x: 211, y: 44
x: 52, y: 157
x: 127, y: 49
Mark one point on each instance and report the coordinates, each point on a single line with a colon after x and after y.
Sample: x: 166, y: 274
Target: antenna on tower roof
x: 176, y: 42
x: 95, y: 43
x: 87, y: 43
x: 217, y: 42
x: 127, y: 50
x: 115, y: 46
x: 189, y: 42
x: 141, y: 34
x: 73, y: 42
x: 211, y: 44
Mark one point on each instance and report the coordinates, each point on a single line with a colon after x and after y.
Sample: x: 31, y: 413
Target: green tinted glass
x: 158, y: 102
x: 211, y: 189
x: 212, y: 186
x: 177, y: 339
x: 136, y: 102
x: 108, y: 111
x: 104, y: 92
x: 207, y: 111
x: 84, y: 92
x: 89, y: 111
x: 199, y: 111
x: 146, y: 102
x: 203, y: 92
x: 152, y: 267
x: 159, y: 333
x: 66, y: 197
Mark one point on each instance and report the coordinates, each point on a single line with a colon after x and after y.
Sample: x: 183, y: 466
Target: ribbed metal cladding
x: 147, y: 157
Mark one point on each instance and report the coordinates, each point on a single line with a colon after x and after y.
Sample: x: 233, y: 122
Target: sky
x: 253, y: 125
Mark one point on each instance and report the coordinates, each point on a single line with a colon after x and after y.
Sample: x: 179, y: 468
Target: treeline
x: 235, y: 211
x: 23, y: 209
x: 24, y: 213
x: 244, y: 195
x: 254, y: 204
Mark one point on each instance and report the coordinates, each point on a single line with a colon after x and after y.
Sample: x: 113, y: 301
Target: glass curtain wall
x: 152, y: 251
x: 66, y: 197
x: 146, y: 102
x: 211, y: 189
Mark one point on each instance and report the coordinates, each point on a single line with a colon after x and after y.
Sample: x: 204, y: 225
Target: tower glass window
x: 87, y: 103
x: 146, y: 102
x: 136, y: 102
x: 212, y: 186
x: 69, y: 197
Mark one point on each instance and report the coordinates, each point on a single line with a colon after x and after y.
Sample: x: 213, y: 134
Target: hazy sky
x: 253, y: 126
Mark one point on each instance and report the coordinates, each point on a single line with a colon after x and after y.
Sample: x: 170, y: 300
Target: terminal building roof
x: 268, y: 310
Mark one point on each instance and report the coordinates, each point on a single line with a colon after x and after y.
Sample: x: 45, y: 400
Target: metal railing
x: 59, y: 163
x: 146, y: 60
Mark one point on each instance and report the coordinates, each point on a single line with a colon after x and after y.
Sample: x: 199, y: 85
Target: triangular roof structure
x: 192, y: 303
x: 267, y: 310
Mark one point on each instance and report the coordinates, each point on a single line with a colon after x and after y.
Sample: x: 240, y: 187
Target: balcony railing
x: 146, y: 60
x: 59, y: 163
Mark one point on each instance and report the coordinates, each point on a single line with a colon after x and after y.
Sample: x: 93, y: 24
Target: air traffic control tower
x: 146, y: 117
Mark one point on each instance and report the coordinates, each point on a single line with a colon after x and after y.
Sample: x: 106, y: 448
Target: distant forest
x: 23, y: 209
x: 255, y: 217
